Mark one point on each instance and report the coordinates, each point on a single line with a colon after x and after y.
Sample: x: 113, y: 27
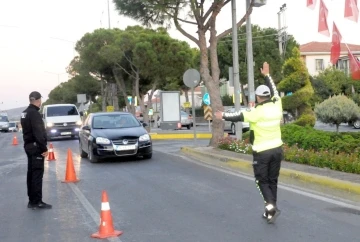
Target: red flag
x: 311, y: 4
x: 354, y: 66
x: 351, y: 10
x: 336, y: 44
x: 323, y: 14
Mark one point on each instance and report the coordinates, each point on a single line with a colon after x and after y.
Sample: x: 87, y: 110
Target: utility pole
x: 236, y: 75
x: 250, y: 60
x: 280, y: 30
x: 108, y: 13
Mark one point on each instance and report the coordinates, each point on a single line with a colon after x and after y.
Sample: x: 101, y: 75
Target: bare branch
x: 216, y: 10
x: 181, y: 20
x: 196, y: 12
x: 122, y: 68
x: 178, y: 27
x: 241, y: 22
x: 207, y: 14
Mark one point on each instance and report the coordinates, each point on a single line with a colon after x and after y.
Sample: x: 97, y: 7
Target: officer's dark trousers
x: 34, y: 174
x: 266, y: 166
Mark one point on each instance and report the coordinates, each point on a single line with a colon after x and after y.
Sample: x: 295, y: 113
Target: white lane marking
x: 89, y: 208
x: 293, y: 189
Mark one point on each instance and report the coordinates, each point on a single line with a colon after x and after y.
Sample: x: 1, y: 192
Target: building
x: 316, y: 55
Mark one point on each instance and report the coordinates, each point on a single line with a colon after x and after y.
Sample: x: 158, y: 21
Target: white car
x: 231, y: 125
x: 13, y: 127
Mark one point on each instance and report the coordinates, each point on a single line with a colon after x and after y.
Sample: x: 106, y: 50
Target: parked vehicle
x: 62, y: 120
x: 4, y: 122
x: 13, y: 127
x: 115, y: 134
x: 186, y: 120
x: 231, y: 125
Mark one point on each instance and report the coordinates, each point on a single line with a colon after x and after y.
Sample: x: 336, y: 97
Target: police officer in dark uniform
x: 35, y: 142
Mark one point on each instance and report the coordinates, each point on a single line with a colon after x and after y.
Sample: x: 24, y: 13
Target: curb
x: 246, y: 166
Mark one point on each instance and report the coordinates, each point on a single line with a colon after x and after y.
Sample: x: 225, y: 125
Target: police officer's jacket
x: 33, y: 128
x: 264, y: 121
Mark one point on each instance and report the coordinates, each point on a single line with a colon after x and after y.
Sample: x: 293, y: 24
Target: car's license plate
x: 125, y: 147
x: 65, y: 133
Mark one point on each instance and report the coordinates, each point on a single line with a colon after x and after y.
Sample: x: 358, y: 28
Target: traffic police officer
x: 35, y: 142
x: 265, y: 137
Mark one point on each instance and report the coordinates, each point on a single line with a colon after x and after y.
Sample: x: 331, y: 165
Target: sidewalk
x: 290, y: 173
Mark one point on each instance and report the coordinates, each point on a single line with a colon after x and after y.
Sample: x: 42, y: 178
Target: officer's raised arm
x: 269, y: 81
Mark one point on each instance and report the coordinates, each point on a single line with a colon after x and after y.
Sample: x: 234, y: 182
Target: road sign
x: 81, y: 98
x: 206, y: 99
x: 187, y: 105
x: 151, y: 112
x: 110, y: 109
x: 131, y: 101
x: 191, y: 78
x: 207, y: 113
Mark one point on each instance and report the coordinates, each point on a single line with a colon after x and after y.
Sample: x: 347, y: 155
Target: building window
x: 319, y: 64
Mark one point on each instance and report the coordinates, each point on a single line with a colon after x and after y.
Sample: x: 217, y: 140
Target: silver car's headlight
x: 144, y: 137
x: 104, y: 141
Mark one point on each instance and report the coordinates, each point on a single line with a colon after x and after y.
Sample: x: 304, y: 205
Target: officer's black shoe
x: 29, y: 205
x: 264, y: 215
x: 41, y: 205
x: 272, y: 216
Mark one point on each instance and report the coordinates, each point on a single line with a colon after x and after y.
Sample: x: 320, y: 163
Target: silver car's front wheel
x: 357, y: 124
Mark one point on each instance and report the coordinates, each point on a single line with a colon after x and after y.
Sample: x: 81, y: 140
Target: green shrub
x: 306, y: 120
x: 305, y: 145
x: 336, y: 110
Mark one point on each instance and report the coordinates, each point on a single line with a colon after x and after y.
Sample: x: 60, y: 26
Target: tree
x: 67, y: 92
x: 331, y: 82
x: 159, y: 12
x: 265, y: 48
x: 296, y: 84
x: 92, y: 63
x: 148, y: 59
x: 336, y: 110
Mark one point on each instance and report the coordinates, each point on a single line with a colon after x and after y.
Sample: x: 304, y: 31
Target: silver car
x: 186, y: 120
x: 230, y: 126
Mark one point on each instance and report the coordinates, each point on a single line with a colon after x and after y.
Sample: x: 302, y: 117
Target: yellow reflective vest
x: 264, y: 122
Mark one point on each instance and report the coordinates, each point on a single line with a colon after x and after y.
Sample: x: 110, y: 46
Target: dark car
x: 113, y: 134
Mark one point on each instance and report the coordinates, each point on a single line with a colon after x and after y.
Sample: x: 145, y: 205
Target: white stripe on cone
x: 105, y: 206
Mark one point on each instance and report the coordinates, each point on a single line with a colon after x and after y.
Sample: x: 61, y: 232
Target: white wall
x: 311, y: 63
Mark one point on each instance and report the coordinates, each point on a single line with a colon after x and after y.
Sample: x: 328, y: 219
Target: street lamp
x: 249, y: 51
x: 58, y: 74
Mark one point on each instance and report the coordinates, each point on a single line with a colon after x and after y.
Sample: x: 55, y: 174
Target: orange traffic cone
x: 51, y: 155
x: 106, y: 228
x: 15, y: 141
x: 70, y: 175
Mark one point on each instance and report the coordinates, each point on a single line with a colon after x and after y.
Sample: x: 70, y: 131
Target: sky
x: 38, y: 36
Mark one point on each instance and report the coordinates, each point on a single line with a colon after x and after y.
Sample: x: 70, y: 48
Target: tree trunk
x: 243, y: 95
x: 337, y: 128
x: 122, y: 87
x: 212, y: 82
x: 103, y: 95
x: 115, y: 96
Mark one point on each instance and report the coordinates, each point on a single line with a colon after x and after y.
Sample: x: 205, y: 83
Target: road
x: 169, y: 198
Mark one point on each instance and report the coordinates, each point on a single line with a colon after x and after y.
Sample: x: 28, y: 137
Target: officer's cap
x: 263, y: 91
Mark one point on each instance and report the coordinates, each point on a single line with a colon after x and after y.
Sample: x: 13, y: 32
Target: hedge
x: 305, y: 145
